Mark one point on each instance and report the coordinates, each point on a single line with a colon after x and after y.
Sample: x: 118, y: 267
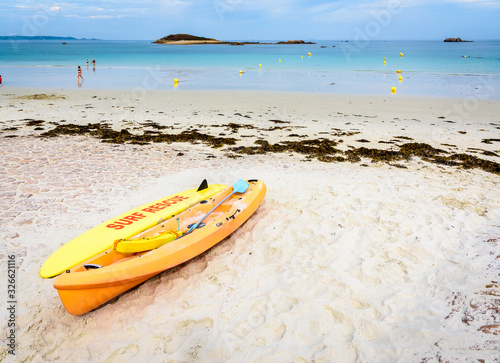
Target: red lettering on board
x: 137, y: 216
x: 126, y: 221
x: 114, y: 226
x: 164, y: 204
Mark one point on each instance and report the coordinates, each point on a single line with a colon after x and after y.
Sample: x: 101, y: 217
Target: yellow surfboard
x: 124, y: 226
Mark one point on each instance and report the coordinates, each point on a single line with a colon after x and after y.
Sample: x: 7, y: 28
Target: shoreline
x: 145, y: 79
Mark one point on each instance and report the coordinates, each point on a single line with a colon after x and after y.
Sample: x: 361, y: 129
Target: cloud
x: 88, y: 8
x: 352, y: 11
x: 471, y: 3
x: 104, y: 9
x: 19, y: 6
x: 179, y: 2
x: 345, y: 11
x: 95, y: 16
x: 476, y: 2
x: 273, y: 8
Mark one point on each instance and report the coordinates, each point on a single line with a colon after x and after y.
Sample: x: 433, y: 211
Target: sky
x: 254, y: 19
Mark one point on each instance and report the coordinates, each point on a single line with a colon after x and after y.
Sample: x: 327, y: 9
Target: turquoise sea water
x: 428, y: 67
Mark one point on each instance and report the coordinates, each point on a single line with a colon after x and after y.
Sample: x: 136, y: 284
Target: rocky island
x: 453, y: 40
x: 187, y: 39
x: 295, y: 42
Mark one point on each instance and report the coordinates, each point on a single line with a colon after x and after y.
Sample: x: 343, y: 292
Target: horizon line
x: 244, y: 40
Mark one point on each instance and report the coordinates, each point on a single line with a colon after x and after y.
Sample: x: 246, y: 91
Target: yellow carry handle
x: 145, y: 244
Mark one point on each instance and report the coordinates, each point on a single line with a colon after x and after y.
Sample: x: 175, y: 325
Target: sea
x: 426, y: 68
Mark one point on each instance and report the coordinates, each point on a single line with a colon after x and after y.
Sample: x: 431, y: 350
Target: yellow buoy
x: 384, y: 58
x: 400, y: 79
x: 398, y: 71
x: 176, y: 81
x: 393, y: 90
x: 301, y: 56
x: 385, y: 62
x: 260, y: 65
x: 241, y: 72
x: 401, y: 54
x: 280, y: 60
x: 309, y: 54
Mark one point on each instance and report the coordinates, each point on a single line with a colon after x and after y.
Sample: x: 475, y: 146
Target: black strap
x: 91, y: 266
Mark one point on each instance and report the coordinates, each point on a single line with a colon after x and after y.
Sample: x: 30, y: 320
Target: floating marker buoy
x: 385, y: 62
x: 393, y: 90
x: 400, y: 79
x: 398, y: 71
x: 260, y: 65
x: 384, y: 58
x: 280, y: 60
x: 241, y: 72
x: 301, y: 56
x: 309, y: 54
x: 465, y: 56
x: 401, y: 54
x: 176, y: 81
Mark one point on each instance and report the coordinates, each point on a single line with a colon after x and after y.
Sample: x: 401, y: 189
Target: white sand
x: 342, y: 262
x: 451, y: 124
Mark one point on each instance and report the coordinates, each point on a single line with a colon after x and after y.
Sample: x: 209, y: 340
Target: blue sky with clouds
x: 254, y: 19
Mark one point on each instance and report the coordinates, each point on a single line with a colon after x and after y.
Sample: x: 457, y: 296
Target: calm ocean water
x: 429, y: 67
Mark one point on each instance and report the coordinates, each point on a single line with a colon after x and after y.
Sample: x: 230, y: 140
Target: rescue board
x: 186, y: 235
x: 126, y: 225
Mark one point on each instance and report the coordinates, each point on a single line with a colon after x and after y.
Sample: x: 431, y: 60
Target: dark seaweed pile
x: 322, y: 149
x: 107, y: 134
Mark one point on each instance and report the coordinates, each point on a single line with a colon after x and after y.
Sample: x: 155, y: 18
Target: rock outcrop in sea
x: 193, y: 39
x: 295, y: 42
x: 452, y: 40
x: 186, y: 39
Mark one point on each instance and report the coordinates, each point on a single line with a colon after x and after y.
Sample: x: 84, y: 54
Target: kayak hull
x: 82, y: 290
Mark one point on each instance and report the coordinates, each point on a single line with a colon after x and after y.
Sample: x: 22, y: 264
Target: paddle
x: 239, y: 187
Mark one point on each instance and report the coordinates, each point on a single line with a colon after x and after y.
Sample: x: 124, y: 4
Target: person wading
x: 80, y: 74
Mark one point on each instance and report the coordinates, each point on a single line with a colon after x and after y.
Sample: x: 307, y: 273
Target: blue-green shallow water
x: 429, y: 67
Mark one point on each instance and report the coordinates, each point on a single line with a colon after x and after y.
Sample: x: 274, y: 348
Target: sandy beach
x: 378, y: 239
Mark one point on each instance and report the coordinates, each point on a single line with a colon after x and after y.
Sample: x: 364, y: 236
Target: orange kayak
x: 180, y: 238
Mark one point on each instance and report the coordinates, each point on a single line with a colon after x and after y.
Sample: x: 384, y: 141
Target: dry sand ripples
x: 341, y: 262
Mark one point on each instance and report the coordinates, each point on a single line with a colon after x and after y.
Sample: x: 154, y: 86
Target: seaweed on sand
x: 106, y: 134
x: 324, y: 150
x: 41, y: 96
x: 321, y: 149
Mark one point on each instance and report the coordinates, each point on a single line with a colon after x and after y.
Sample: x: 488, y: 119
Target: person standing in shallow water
x: 80, y: 74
